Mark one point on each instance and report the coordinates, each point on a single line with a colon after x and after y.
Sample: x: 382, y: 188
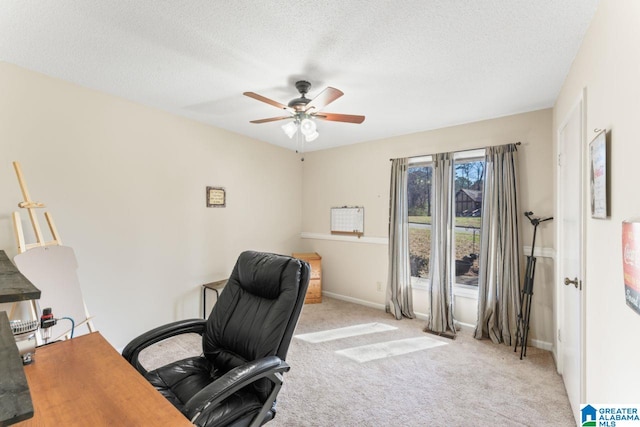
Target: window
x: 469, y: 181
x: 419, y: 200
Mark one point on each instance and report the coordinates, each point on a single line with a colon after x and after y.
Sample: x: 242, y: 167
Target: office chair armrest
x: 234, y: 380
x: 133, y: 349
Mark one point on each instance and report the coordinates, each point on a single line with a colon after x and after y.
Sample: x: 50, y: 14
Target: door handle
x: 574, y: 282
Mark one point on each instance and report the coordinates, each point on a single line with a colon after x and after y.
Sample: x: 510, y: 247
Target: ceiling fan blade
x: 333, y: 117
x: 271, y: 119
x: 324, y: 98
x: 267, y: 100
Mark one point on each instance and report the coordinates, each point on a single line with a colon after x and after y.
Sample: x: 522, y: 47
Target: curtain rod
x: 461, y: 151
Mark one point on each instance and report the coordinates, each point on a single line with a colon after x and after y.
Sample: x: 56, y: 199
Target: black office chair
x: 245, y: 341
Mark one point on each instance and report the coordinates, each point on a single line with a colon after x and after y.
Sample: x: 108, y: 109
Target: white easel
x: 70, y: 281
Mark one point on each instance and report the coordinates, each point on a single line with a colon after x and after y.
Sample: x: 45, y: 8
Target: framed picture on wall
x: 598, y: 175
x: 216, y: 197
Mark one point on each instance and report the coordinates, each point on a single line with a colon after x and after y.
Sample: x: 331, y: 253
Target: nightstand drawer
x: 314, y: 291
x: 316, y: 269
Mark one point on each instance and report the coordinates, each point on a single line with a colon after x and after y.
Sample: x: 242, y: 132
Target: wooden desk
x: 217, y: 287
x: 85, y: 382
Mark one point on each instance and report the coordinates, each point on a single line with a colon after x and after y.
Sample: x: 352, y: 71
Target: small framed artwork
x: 631, y: 262
x: 216, y: 197
x: 598, y: 175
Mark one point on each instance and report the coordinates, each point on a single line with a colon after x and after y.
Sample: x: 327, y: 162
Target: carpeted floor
x: 463, y: 383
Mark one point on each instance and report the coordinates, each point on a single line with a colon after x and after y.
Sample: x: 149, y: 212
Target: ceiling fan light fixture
x: 290, y: 129
x: 304, y: 111
x: 308, y: 127
x: 312, y: 136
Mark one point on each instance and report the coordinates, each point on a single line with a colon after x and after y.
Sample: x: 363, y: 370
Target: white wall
x: 126, y: 187
x: 608, y: 65
x: 359, y: 175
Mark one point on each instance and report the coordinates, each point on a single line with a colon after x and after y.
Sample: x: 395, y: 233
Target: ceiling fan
x: 302, y: 110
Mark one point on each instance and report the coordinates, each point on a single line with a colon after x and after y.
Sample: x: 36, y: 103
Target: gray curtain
x: 399, y: 294
x: 499, y: 259
x: 441, y: 268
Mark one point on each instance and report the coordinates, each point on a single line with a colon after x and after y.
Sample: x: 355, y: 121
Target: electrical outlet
x: 379, y: 286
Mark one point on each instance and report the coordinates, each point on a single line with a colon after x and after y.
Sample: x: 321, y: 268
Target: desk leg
x: 204, y: 300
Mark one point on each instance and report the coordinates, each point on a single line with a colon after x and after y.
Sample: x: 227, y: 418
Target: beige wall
x: 608, y: 65
x: 359, y: 175
x: 125, y: 184
x: 126, y: 187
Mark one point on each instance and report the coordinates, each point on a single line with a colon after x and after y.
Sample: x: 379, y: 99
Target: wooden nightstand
x: 314, y: 291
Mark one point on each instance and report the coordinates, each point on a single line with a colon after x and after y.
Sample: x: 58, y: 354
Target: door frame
x: 580, y: 104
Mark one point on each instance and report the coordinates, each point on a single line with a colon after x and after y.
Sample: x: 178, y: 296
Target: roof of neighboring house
x: 475, y: 195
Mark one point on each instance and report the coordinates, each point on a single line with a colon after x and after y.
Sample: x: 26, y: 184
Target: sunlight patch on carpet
x: 382, y: 350
x: 349, y: 331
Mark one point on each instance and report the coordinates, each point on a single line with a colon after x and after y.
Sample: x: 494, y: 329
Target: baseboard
x: 466, y: 326
x: 353, y: 300
x: 543, y: 345
x: 422, y: 316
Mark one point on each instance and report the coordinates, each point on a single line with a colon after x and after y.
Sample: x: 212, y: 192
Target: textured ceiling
x: 408, y: 66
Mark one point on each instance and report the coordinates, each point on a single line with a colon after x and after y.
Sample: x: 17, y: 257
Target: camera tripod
x: 522, y: 331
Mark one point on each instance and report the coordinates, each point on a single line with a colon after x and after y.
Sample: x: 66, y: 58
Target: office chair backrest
x: 257, y: 311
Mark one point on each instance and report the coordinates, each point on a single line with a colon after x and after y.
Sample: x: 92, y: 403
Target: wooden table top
x: 84, y: 381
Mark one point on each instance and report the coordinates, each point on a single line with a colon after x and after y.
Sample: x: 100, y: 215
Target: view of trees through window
x: 469, y: 180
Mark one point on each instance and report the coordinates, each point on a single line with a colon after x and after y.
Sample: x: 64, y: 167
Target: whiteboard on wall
x: 347, y: 220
